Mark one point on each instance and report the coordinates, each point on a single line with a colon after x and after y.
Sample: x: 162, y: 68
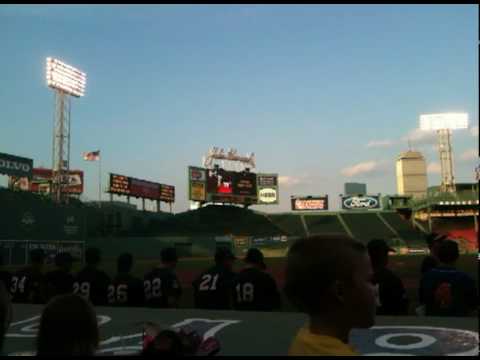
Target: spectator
x: 60, y: 281
x: 68, y: 327
x: 125, y: 289
x: 5, y: 276
x: 330, y: 277
x: 213, y: 288
x: 5, y: 313
x: 28, y: 284
x: 392, y: 295
x: 161, y: 286
x: 184, y: 341
x: 90, y: 282
x: 431, y: 261
x: 253, y: 288
x: 446, y: 291
x: 166, y: 343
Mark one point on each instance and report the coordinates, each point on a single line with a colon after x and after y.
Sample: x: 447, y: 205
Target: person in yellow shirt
x: 330, y: 278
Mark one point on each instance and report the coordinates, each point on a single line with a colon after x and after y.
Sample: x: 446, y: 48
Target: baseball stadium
x: 236, y: 262
x: 31, y: 220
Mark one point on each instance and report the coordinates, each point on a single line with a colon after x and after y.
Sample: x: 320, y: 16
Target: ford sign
x: 360, y: 202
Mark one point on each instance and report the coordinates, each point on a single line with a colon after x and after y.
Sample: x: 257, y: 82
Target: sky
x: 322, y: 94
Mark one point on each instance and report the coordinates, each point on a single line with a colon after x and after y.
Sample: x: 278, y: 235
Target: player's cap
x: 224, y: 253
x: 379, y: 246
x: 169, y: 255
x: 255, y: 256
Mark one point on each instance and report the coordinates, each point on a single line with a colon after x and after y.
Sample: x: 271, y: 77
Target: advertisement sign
x: 313, y: 203
x: 232, y: 199
x: 197, y: 191
x: 167, y: 193
x: 125, y: 185
x: 245, y: 184
x: 267, y: 180
x: 197, y: 174
x: 267, y: 187
x: 361, y: 202
x: 17, y: 166
x: 267, y: 196
x: 42, y: 179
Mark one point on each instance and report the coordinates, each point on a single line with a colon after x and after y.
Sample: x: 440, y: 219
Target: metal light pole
x: 444, y: 123
x: 66, y: 81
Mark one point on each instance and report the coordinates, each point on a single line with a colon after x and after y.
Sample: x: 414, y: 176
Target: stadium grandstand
x: 116, y: 227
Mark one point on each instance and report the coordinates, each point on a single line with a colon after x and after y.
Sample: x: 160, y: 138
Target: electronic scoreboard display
x: 128, y: 186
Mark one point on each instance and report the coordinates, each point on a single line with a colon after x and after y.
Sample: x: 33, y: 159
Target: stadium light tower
x: 66, y: 81
x: 444, y: 124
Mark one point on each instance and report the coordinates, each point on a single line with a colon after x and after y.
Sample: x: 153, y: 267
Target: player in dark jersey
x: 5, y: 276
x: 431, y: 261
x: 446, y: 291
x: 125, y: 290
x: 28, y: 284
x: 253, y: 288
x: 161, y: 286
x: 60, y: 281
x: 392, y: 297
x: 91, y: 283
x: 212, y: 289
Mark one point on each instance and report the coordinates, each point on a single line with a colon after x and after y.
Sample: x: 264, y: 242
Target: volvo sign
x: 16, y: 166
x: 361, y: 202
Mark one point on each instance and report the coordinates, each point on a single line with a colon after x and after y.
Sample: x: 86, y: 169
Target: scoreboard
x: 128, y: 186
x: 234, y: 187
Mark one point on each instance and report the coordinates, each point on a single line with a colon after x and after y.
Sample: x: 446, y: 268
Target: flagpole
x: 99, y: 180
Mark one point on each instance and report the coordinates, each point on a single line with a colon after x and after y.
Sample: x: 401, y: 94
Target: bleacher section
x: 461, y: 229
x: 366, y: 226
x: 412, y: 237
x: 27, y: 216
x: 319, y: 224
x: 290, y: 224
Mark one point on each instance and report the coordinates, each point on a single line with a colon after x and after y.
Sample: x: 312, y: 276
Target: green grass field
x: 407, y: 267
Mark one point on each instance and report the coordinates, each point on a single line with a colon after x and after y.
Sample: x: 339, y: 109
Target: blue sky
x: 322, y: 94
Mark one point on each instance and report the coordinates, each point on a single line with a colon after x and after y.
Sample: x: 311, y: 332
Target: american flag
x: 91, y: 156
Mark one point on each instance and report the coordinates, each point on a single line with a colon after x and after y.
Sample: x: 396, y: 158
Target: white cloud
x: 421, y: 137
x: 380, y: 143
x: 361, y: 168
x: 433, y: 168
x: 474, y: 131
x: 470, y: 154
x: 290, y: 180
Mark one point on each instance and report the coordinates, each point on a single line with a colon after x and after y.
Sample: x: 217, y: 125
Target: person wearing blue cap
x: 253, y: 288
x: 212, y: 289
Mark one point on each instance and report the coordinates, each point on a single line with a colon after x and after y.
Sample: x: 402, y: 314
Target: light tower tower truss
x: 444, y: 124
x: 66, y: 81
